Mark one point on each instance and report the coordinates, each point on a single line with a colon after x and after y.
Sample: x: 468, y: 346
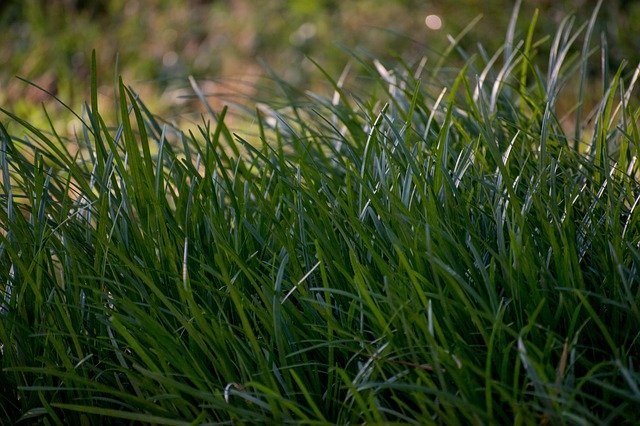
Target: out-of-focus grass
x: 156, y: 44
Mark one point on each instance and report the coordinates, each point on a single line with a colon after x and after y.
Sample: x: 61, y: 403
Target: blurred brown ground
x: 225, y: 45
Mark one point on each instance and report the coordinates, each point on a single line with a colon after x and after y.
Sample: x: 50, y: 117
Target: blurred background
x: 230, y: 46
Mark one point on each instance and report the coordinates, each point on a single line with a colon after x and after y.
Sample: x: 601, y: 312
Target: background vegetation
x: 156, y: 44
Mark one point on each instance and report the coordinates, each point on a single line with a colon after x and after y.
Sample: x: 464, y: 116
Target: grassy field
x: 440, y: 247
x: 156, y: 44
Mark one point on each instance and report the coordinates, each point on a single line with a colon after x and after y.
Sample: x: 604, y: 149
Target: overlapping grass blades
x: 435, y: 251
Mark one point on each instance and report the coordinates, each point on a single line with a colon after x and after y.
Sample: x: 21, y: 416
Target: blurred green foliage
x: 156, y: 44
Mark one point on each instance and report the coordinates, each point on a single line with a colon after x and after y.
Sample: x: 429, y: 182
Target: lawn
x: 447, y: 244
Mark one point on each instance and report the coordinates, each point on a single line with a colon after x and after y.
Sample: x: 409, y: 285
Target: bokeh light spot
x: 433, y: 22
x: 169, y: 59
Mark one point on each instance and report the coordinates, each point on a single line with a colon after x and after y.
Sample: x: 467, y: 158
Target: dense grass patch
x: 444, y: 249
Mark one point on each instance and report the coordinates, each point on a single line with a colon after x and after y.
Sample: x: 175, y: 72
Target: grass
x: 439, y: 249
x: 156, y: 44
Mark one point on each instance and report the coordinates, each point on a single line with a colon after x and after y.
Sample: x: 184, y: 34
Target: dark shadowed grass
x: 440, y: 250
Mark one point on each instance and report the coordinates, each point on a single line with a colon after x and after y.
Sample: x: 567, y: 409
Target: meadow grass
x: 442, y: 248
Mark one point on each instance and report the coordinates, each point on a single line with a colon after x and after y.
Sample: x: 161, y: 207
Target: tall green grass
x: 439, y: 249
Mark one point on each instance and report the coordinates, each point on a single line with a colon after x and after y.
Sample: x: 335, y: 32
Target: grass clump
x: 441, y: 250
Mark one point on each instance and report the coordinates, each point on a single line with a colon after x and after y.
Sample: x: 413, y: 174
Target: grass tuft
x: 435, y: 249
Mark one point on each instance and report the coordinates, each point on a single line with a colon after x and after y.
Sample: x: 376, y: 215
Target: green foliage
x: 157, y: 44
x: 439, y: 249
